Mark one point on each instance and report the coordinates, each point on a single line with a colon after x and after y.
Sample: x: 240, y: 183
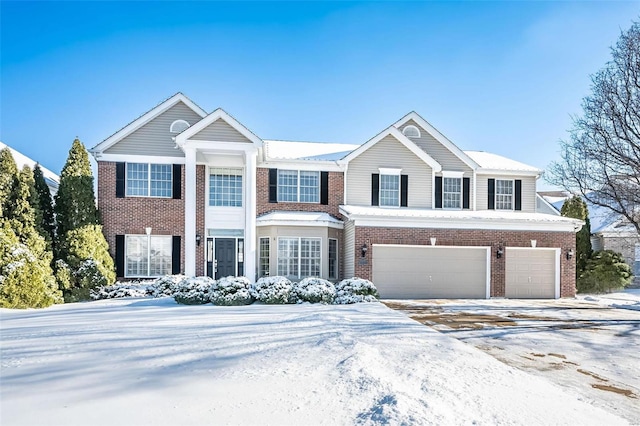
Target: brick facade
x: 336, y: 197
x: 472, y: 237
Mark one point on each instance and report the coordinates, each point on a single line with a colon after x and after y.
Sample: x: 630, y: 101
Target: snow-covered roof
x: 290, y: 150
x: 490, y: 161
x: 462, y: 219
x: 52, y: 179
x: 601, y: 218
x: 299, y: 219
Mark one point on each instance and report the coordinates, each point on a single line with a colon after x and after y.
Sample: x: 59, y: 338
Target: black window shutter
x: 438, y: 192
x: 375, y: 189
x: 120, y: 179
x: 175, y: 255
x: 491, y: 197
x: 518, y: 195
x: 120, y: 255
x: 177, y: 181
x: 466, y: 186
x: 404, y: 190
x: 324, y: 188
x: 273, y: 185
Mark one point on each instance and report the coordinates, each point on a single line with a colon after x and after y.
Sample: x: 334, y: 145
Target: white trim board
x: 183, y: 138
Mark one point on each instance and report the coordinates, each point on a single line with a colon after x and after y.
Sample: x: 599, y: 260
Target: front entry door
x: 225, y: 257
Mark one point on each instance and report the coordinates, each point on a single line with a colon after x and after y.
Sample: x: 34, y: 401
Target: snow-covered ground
x: 590, y: 346
x: 151, y: 361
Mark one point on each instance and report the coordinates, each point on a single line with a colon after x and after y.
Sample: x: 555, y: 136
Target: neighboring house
x: 183, y: 191
x: 609, y: 230
x: 52, y: 179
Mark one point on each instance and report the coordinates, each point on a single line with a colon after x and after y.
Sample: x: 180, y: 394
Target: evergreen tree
x: 83, y: 261
x: 45, y: 218
x: 605, y: 271
x: 8, y: 178
x: 576, y: 208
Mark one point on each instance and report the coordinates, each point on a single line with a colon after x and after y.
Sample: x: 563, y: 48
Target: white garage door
x: 426, y: 272
x: 531, y: 273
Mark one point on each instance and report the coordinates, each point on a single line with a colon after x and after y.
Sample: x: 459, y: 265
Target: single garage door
x: 427, y: 272
x: 531, y: 273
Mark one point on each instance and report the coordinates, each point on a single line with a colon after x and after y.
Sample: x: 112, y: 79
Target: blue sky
x: 503, y: 77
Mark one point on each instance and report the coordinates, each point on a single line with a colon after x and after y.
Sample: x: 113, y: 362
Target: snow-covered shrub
x: 355, y: 290
x: 164, y: 286
x: 193, y: 291
x: 118, y: 290
x: 314, y: 290
x: 272, y: 290
x: 231, y: 291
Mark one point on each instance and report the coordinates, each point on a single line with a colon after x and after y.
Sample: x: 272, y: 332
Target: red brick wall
x: 472, y: 237
x: 336, y: 191
x: 131, y: 215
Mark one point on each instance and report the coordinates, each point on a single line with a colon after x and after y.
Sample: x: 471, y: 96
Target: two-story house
x: 183, y: 191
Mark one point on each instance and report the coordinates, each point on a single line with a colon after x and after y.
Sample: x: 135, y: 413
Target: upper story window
x: 504, y: 194
x: 451, y: 192
x: 411, y: 132
x: 390, y: 187
x: 179, y: 126
x: 149, y: 180
x: 225, y: 187
x: 298, y: 186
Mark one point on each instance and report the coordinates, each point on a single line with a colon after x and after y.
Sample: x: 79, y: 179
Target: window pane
x: 287, y: 185
x: 504, y: 194
x: 225, y: 187
x: 136, y: 259
x: 137, y: 179
x: 264, y: 257
x: 451, y: 193
x: 288, y: 257
x: 389, y: 190
x: 310, y: 257
x: 309, y: 187
x: 160, y: 256
x: 333, y: 258
x: 161, y: 183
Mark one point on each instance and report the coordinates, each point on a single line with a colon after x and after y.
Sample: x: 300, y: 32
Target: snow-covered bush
x: 165, y: 286
x: 117, y: 290
x: 193, y: 291
x: 272, y: 290
x: 231, y: 291
x: 355, y: 290
x: 314, y: 290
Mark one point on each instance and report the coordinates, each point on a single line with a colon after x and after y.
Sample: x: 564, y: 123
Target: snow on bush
x: 314, y: 290
x: 165, y: 286
x: 117, y: 290
x: 193, y: 291
x: 355, y: 290
x: 231, y: 291
x: 272, y: 290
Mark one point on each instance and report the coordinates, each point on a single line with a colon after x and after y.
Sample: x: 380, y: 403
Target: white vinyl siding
x: 147, y: 255
x: 451, y: 193
x: 149, y: 180
x: 528, y: 195
x: 504, y: 194
x: 349, y: 249
x: 298, y: 186
x: 299, y: 257
x: 388, y: 153
x: 220, y: 131
x: 154, y: 138
x: 225, y: 187
x: 389, y: 190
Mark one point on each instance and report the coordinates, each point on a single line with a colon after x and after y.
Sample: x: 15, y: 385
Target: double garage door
x: 431, y: 272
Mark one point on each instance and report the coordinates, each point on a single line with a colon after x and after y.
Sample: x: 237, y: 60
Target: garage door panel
x: 530, y: 273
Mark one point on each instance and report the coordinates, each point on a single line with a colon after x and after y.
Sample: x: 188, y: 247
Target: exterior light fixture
x: 433, y: 241
x: 364, y: 249
x: 569, y: 254
x: 198, y: 239
x: 499, y: 252
x: 147, y: 230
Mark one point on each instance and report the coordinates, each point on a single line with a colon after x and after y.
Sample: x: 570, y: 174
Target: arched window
x: 179, y: 126
x: 411, y: 132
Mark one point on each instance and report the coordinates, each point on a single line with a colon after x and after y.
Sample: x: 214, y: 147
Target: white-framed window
x: 149, y: 180
x: 333, y: 259
x: 147, y: 255
x: 389, y: 191
x: 451, y: 192
x: 263, y: 267
x: 298, y: 186
x: 504, y: 194
x: 411, y: 132
x: 179, y: 126
x: 299, y: 257
x: 225, y: 187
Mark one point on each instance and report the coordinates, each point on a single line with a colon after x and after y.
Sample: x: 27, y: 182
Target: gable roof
x: 145, y: 118
x: 397, y: 134
x: 438, y: 136
x: 494, y: 162
x: 219, y: 113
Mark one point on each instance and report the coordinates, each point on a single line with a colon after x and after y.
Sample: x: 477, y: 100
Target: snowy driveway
x: 589, y: 346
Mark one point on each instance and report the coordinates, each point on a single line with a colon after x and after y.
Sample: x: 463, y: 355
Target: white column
x: 190, y: 192
x: 250, y: 216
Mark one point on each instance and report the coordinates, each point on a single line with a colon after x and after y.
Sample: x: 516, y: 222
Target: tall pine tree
x: 45, y: 218
x: 8, y: 178
x: 576, y: 208
x: 82, y: 251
